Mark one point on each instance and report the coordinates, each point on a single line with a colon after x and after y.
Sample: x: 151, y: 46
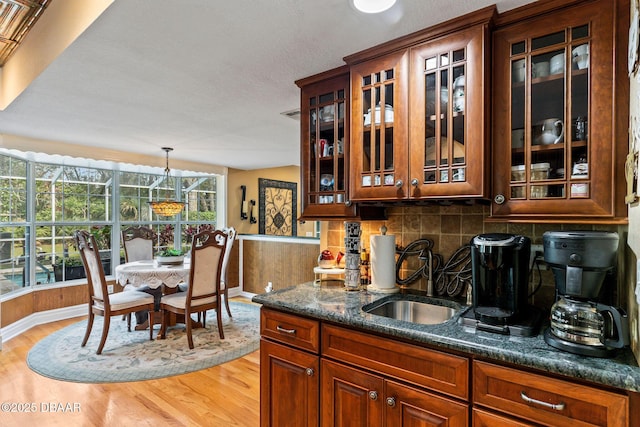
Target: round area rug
x: 131, y: 356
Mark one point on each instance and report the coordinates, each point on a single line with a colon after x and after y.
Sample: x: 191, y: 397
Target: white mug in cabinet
x: 519, y: 70
x: 556, y: 65
x: 580, y: 56
x: 326, y: 113
x: 549, y: 131
x: 540, y: 69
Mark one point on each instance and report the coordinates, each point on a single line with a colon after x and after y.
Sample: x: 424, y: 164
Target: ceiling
x: 208, y: 78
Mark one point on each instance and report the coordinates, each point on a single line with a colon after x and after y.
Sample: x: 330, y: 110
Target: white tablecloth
x: 149, y: 273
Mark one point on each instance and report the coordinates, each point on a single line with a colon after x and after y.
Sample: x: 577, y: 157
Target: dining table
x: 168, y: 277
x: 149, y: 273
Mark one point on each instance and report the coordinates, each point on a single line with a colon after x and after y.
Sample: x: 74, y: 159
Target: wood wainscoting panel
x: 16, y: 308
x: 233, y: 268
x: 50, y: 299
x: 282, y: 263
x: 42, y: 299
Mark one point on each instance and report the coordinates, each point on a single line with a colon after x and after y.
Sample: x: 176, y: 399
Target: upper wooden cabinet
x: 324, y: 147
x: 379, y: 151
x: 449, y: 115
x: 560, y: 113
x: 419, y: 114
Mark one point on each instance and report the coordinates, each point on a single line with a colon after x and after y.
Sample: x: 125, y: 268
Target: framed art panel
x: 278, y: 207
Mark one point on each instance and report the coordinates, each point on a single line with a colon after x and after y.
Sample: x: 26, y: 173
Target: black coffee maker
x: 580, y: 323
x: 500, y: 274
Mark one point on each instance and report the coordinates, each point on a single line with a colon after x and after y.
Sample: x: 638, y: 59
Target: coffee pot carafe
x: 580, y: 261
x: 589, y: 323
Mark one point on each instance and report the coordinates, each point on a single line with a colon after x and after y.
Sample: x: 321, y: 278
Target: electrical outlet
x: 534, y: 250
x: 110, y: 289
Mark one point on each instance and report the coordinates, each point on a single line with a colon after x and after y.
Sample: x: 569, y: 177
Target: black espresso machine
x: 500, y: 278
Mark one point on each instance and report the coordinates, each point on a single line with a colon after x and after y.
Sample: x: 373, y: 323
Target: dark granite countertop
x: 332, y: 303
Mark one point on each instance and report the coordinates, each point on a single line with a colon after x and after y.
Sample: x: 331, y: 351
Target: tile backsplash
x: 452, y: 226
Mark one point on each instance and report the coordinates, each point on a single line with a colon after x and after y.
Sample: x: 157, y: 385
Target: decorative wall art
x: 632, y: 165
x: 634, y: 40
x: 278, y: 207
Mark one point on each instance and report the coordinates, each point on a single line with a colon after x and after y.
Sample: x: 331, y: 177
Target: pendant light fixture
x: 167, y: 207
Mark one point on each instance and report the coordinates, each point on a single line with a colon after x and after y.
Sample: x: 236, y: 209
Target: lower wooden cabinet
x: 487, y: 419
x: 289, y: 386
x: 317, y: 374
x: 350, y: 396
x: 546, y: 401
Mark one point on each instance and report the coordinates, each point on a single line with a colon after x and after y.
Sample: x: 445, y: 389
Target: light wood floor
x: 225, y: 395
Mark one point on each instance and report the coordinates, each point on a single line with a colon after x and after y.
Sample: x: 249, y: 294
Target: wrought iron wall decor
x: 278, y: 201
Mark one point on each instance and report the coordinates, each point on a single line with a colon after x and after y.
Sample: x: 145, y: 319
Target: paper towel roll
x: 383, y: 261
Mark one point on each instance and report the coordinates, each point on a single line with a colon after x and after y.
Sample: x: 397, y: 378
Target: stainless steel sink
x: 411, y: 311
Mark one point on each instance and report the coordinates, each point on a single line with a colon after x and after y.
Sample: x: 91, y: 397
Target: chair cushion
x: 128, y: 299
x: 179, y: 300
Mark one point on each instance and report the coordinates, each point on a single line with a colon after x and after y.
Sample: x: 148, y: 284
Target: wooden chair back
x: 231, y: 237
x: 207, y: 252
x: 90, y: 255
x: 138, y: 243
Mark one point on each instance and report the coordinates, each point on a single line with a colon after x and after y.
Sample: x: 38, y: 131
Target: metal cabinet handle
x: 399, y: 183
x: 391, y: 401
x: 310, y: 372
x: 373, y: 395
x: 557, y: 406
x: 286, y: 331
x: 415, y: 182
x: 499, y: 199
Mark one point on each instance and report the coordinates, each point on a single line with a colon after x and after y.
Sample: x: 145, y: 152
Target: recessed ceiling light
x: 373, y: 6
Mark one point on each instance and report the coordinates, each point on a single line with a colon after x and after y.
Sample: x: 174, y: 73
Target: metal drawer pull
x: 373, y: 395
x: 310, y: 372
x: 557, y: 407
x: 286, y: 331
x: 391, y: 401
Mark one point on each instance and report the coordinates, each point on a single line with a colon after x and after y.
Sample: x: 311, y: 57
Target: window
x: 44, y: 201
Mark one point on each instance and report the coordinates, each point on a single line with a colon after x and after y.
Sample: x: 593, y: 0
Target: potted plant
x: 170, y: 257
x: 72, y: 267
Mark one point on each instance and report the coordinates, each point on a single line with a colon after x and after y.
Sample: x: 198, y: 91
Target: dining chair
x: 203, y: 293
x: 137, y: 243
x: 102, y: 303
x: 231, y: 237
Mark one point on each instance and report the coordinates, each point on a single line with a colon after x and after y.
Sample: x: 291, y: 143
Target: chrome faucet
x: 430, y: 276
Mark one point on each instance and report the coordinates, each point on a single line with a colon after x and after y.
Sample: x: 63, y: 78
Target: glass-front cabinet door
x: 448, y: 108
x: 379, y: 128
x: 553, y: 115
x: 324, y: 147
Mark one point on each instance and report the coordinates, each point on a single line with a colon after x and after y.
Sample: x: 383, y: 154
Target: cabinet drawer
x: 290, y: 329
x: 544, y: 400
x: 424, y: 367
x: 482, y: 418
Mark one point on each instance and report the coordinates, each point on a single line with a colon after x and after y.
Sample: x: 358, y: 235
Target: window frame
x: 112, y: 217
